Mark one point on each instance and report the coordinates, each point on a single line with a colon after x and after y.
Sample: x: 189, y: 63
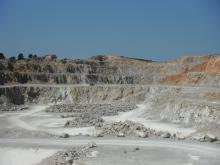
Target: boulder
x: 180, y: 137
x: 208, y: 138
x: 64, y: 135
x: 142, y: 134
x: 69, y: 159
x: 136, y: 149
x: 165, y: 135
x: 120, y: 134
x: 92, y: 145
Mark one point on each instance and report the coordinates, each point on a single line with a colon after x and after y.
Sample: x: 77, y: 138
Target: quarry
x: 110, y: 110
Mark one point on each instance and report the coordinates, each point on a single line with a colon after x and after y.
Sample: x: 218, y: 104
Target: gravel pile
x: 89, y: 114
x: 85, y: 120
x: 129, y: 128
x: 105, y: 109
x: 122, y: 128
x: 70, y: 156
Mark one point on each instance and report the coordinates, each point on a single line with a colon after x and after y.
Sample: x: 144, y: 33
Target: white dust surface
x: 23, y: 156
x: 137, y: 115
x: 38, y: 120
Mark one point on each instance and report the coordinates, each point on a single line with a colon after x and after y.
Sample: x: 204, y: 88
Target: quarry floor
x: 29, y: 136
x: 112, y: 151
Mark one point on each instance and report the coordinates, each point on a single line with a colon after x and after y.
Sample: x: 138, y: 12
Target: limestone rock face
x: 202, y: 70
x: 13, y: 95
x: 185, y: 91
x: 71, y: 94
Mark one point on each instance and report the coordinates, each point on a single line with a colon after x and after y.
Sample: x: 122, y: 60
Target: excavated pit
x: 176, y: 110
x: 111, y: 97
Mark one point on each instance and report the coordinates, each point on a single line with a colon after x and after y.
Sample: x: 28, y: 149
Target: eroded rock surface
x: 87, y: 90
x: 203, y: 70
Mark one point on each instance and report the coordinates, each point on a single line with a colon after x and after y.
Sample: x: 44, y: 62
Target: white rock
x: 92, y: 154
x: 208, y: 138
x: 120, y: 134
x: 69, y: 159
x: 78, y: 163
x: 165, y: 135
x: 180, y: 136
x: 142, y: 134
x: 92, y: 144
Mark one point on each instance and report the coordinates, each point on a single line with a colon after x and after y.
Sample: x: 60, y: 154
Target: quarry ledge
x: 110, y: 85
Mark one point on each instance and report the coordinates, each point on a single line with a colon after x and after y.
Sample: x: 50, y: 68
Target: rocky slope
x: 202, y: 70
x: 71, y: 94
x: 205, y: 73
x: 183, y: 92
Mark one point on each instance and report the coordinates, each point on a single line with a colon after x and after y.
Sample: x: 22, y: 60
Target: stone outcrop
x: 190, y: 112
x: 206, y: 72
x: 186, y: 105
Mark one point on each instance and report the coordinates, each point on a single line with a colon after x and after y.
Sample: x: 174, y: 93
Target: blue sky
x: 150, y: 29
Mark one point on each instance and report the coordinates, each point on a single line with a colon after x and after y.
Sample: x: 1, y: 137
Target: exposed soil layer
x: 207, y: 72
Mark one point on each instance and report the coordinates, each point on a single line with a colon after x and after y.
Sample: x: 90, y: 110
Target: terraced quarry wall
x: 101, y: 80
x: 179, y: 111
x: 202, y: 70
x: 179, y: 104
x: 73, y: 94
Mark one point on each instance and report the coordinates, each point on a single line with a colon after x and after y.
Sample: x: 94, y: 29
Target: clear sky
x: 150, y: 29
